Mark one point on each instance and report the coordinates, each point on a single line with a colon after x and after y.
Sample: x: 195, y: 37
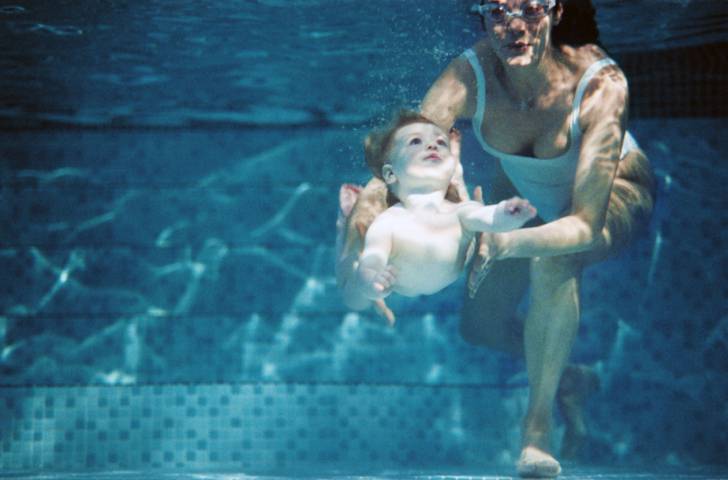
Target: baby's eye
x: 442, y: 142
x: 415, y: 141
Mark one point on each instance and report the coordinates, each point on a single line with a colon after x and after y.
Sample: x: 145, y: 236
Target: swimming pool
x: 169, y: 182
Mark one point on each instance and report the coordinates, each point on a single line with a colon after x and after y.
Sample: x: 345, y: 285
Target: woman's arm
x: 603, y: 118
x: 451, y: 97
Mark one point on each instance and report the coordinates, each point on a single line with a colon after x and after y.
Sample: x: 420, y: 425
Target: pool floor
x: 496, y: 473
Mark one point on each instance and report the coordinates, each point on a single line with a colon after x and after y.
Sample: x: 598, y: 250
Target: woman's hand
x: 456, y: 139
x: 457, y: 178
x: 488, y: 253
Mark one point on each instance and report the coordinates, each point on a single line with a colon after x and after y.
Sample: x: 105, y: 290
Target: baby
x: 420, y: 244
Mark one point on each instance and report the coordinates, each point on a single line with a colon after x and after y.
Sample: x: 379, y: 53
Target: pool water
x: 169, y: 177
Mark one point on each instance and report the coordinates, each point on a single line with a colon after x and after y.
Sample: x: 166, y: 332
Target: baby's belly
x: 426, y: 269
x: 427, y: 279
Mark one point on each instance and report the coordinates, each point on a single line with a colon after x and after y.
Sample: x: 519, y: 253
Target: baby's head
x: 412, y: 151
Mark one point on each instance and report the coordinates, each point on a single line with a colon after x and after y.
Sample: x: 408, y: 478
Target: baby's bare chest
x: 428, y: 255
x: 437, y: 238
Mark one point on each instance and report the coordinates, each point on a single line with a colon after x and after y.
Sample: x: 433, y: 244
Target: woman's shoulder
x: 580, y: 58
x: 605, y: 90
x: 461, y: 64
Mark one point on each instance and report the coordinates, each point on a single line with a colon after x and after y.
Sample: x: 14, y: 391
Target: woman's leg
x: 551, y: 325
x: 553, y: 320
x: 549, y: 333
x: 550, y: 329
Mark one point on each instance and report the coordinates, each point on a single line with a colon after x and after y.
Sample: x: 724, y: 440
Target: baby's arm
x: 373, y: 278
x: 501, y: 217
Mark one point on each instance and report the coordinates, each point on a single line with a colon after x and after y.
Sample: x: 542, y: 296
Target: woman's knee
x: 635, y: 168
x: 561, y: 266
x: 630, y: 204
x: 551, y: 275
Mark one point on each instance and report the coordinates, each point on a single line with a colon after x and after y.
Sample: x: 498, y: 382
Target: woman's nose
x: 516, y: 24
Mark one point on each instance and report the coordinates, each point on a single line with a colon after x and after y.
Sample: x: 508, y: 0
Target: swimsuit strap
x: 480, y: 81
x: 581, y: 88
x: 574, y: 130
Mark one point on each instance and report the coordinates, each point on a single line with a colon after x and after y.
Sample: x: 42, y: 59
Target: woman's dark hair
x: 578, y: 25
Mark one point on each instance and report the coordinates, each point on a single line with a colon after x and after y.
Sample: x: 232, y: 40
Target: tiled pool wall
x: 678, y: 82
x: 255, y: 427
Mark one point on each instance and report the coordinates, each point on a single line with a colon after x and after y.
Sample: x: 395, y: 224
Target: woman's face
x: 522, y: 39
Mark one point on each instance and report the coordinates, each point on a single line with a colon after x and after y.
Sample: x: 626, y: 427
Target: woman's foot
x: 578, y: 383
x: 535, y: 463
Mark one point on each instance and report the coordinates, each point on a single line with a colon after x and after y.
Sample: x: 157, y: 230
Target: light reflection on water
x: 262, y: 62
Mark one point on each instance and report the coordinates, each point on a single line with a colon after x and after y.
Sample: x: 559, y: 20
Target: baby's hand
x: 381, y: 284
x: 512, y: 213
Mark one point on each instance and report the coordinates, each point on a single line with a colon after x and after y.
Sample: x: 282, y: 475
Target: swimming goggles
x: 531, y: 11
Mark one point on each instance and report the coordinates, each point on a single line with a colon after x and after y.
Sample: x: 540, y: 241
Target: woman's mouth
x: 518, y: 46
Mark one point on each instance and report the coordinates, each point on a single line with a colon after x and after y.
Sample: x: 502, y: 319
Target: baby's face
x: 421, y: 151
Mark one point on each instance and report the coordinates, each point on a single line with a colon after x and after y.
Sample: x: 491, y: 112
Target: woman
x: 548, y: 103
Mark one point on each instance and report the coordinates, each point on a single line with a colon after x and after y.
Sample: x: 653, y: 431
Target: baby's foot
x: 382, y: 308
x: 535, y: 463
